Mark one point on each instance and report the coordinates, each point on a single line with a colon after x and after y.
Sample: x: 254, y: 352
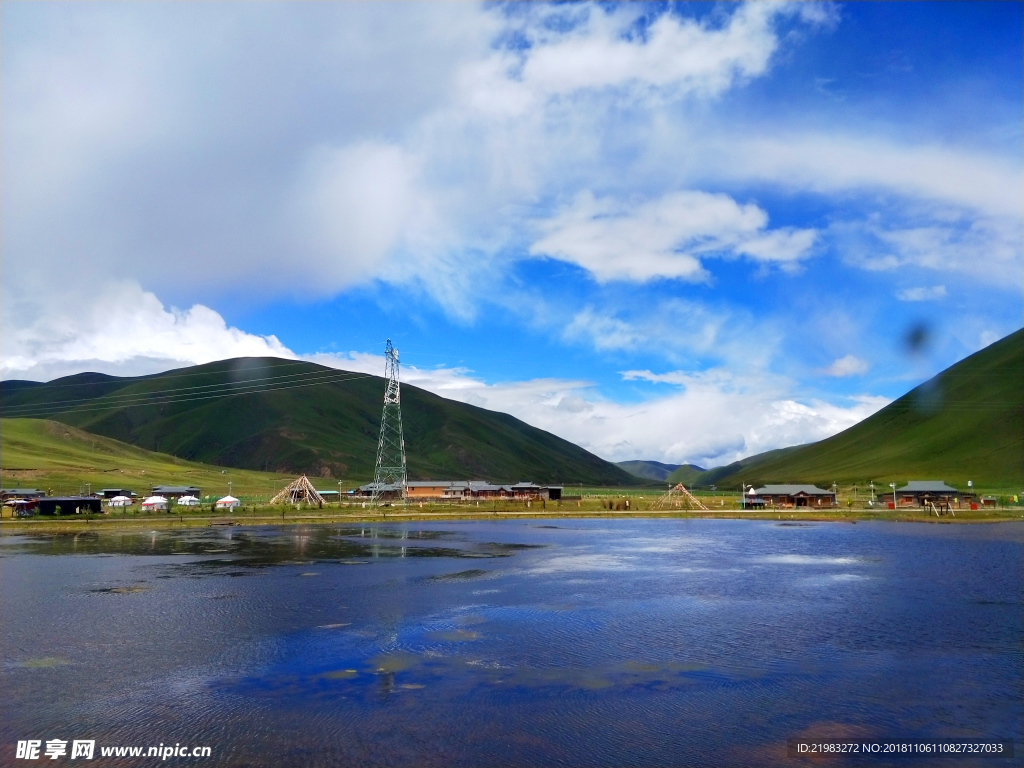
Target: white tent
x: 120, y: 501
x: 154, y: 503
x: 188, y: 501
x: 228, y: 502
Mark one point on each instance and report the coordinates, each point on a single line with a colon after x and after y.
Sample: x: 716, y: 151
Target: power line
x: 136, y: 379
x: 114, y: 396
x: 174, y: 399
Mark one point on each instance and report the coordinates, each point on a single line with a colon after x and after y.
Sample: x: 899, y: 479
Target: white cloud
x: 575, y: 49
x: 664, y: 237
x: 933, y: 293
x: 304, y: 149
x: 682, y: 55
x: 682, y: 332
x: 672, y: 377
x: 358, y: 200
x: 837, y: 161
x: 848, y: 366
x: 602, y: 331
x: 123, y: 330
x: 986, y: 248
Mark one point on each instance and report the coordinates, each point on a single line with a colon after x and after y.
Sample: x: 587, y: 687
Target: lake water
x: 513, y: 643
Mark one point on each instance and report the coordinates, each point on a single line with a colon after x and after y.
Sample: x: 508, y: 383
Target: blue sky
x: 676, y: 232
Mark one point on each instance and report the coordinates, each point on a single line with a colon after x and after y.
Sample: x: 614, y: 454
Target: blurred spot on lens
x: 917, y: 338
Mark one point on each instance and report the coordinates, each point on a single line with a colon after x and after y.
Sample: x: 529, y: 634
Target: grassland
x: 62, y: 460
x: 591, y: 508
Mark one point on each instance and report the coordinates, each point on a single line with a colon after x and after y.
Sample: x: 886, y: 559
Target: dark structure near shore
x: 69, y: 505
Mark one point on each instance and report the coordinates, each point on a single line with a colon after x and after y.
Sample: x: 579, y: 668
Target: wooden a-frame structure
x: 678, y: 498
x: 298, y: 490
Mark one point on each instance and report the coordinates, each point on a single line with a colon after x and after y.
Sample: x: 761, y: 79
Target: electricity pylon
x: 390, y: 469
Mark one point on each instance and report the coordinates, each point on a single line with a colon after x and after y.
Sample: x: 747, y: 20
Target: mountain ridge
x: 269, y: 414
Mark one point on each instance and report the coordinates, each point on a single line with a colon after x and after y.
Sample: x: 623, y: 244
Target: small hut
x: 188, y: 501
x: 298, y: 491
x: 120, y: 501
x: 228, y: 502
x: 155, y: 504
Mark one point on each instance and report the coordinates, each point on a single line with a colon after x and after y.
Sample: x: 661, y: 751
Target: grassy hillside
x: 52, y: 456
x: 967, y: 423
x: 285, y: 416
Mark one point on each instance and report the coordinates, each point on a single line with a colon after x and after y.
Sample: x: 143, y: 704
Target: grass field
x: 63, y: 460
x: 591, y: 508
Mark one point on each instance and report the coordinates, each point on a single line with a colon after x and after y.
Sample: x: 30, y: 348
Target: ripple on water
x: 657, y: 659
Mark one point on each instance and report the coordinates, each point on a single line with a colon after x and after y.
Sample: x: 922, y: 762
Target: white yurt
x: 188, y: 501
x: 228, y: 502
x: 120, y: 501
x: 154, y: 504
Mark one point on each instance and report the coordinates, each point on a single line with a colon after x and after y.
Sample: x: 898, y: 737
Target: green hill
x: 655, y: 470
x: 966, y: 423
x: 286, y: 416
x: 44, y: 454
x: 688, y: 476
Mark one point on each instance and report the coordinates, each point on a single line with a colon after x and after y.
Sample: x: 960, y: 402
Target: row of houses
x: 920, y: 493
x: 167, y: 491
x: 461, y: 490
x: 23, y: 501
x: 916, y: 493
x: 35, y: 501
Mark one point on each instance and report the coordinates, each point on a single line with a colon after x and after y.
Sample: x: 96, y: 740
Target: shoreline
x: 15, y: 526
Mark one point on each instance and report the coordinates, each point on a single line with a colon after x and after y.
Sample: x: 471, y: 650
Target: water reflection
x: 620, y: 643
x: 261, y: 547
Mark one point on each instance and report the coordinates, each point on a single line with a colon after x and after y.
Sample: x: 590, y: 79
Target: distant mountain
x: 652, y: 470
x: 966, y: 423
x: 686, y: 474
x: 288, y: 416
x: 708, y: 477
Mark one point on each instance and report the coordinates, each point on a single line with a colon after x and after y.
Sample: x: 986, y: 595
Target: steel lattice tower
x: 390, y: 467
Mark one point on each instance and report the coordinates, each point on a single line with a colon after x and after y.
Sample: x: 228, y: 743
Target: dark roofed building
x: 387, y: 490
x: 796, y: 495
x: 922, y: 492
x: 176, y: 491
x: 109, y: 493
x: 20, y: 493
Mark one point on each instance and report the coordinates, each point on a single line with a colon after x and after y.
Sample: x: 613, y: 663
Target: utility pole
x: 390, y: 468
